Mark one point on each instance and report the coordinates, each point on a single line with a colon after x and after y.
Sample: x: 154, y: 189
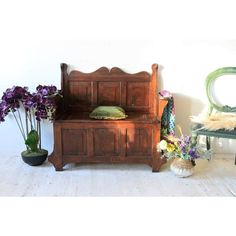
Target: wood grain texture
x: 79, y: 139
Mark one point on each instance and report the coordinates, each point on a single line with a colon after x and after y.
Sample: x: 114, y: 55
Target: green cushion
x: 108, y: 113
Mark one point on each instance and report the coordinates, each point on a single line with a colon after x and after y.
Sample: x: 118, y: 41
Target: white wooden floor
x: 214, y: 178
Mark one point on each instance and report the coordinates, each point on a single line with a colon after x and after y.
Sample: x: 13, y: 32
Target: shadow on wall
x: 160, y: 79
x: 185, y: 107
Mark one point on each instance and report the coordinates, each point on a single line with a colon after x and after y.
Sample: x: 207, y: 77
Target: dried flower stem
x: 180, y: 130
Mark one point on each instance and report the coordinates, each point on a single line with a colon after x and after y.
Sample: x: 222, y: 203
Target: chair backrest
x: 134, y: 92
x: 208, y: 84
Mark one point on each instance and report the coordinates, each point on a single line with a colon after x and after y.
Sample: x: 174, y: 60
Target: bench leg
x: 56, y: 161
x: 157, y: 162
x: 58, y: 168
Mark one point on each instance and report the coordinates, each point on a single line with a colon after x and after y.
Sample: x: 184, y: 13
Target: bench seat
x: 80, y: 139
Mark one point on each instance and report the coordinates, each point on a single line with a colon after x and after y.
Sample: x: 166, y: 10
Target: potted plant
x: 184, y: 151
x: 37, y: 106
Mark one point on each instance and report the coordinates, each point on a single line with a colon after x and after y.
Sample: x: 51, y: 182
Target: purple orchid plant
x: 37, y: 106
x: 182, y: 147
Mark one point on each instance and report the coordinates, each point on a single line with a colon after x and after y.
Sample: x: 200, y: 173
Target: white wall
x: 184, y: 64
x: 27, y: 60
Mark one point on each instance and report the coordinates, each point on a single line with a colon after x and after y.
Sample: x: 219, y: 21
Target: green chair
x: 221, y: 133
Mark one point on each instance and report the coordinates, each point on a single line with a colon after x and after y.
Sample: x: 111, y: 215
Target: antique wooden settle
x: 79, y: 139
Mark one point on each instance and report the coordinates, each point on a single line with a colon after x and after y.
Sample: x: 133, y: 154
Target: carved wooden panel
x: 74, y: 142
x: 138, y: 94
x: 79, y: 93
x: 139, y: 142
x: 79, y: 139
x: 134, y: 92
x: 109, y: 93
x: 107, y: 142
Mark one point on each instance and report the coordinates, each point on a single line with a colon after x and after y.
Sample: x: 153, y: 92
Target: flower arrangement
x: 37, y: 106
x: 182, y: 147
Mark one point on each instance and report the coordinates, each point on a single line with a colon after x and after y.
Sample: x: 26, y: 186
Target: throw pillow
x: 108, y: 113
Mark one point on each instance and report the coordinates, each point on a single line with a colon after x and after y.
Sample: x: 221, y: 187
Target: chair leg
x: 194, y: 138
x: 235, y: 159
x: 208, y: 143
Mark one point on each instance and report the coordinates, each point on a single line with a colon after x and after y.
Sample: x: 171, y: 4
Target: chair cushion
x: 217, y: 121
x: 108, y: 113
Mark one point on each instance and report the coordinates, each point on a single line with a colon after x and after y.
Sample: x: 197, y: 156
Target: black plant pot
x: 34, y: 158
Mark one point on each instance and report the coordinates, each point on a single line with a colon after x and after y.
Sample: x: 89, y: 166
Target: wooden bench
x: 213, y: 106
x: 79, y: 139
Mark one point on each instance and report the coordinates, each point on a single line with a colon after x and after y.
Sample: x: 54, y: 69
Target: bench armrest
x: 161, y: 106
x: 58, y: 99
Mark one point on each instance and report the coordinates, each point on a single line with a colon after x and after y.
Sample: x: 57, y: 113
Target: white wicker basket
x: 182, y: 168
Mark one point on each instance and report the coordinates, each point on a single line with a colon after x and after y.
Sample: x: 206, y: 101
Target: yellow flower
x: 162, y: 145
x: 170, y: 147
x: 176, y: 144
x: 172, y: 138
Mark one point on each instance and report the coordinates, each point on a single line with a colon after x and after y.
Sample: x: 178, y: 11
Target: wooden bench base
x: 79, y: 139
x: 126, y: 141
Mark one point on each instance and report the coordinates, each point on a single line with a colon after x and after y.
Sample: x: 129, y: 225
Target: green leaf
x: 32, y: 140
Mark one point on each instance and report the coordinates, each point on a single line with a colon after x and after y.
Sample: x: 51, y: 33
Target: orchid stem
x: 39, y: 132
x: 27, y: 126
x: 37, y: 128
x: 22, y: 127
x: 30, y: 119
x: 18, y: 125
x: 26, y: 123
x: 28, y: 116
x: 34, y: 119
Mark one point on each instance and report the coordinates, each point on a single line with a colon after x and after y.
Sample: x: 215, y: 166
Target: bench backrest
x: 85, y: 91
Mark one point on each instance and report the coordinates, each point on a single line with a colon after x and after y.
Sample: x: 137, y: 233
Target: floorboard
x: 214, y: 178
